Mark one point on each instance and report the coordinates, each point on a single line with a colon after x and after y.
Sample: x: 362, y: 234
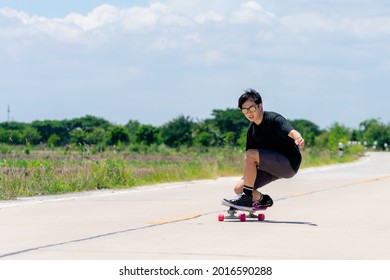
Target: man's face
x: 252, y: 111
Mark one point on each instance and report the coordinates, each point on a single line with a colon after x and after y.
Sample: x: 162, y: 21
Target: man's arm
x: 299, y: 141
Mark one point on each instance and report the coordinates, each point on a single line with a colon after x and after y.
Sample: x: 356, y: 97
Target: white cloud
x: 194, y: 38
x: 163, y: 43
x: 100, y: 16
x: 107, y: 21
x: 142, y: 19
x: 212, y: 56
x: 105, y: 18
x: 251, y: 12
x: 208, y: 16
x: 22, y: 16
x: 320, y: 24
x: 311, y: 22
x: 367, y: 27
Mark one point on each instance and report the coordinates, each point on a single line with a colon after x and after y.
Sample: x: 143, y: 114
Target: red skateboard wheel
x: 242, y: 217
x: 221, y: 217
x: 261, y: 217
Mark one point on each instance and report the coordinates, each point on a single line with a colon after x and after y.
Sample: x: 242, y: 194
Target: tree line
x: 225, y: 127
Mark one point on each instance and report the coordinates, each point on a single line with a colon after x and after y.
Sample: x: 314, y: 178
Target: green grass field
x: 54, y: 172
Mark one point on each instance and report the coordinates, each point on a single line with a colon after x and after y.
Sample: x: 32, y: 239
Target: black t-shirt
x: 272, y: 135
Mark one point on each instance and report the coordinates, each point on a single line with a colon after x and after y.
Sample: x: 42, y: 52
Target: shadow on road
x: 275, y: 222
x: 290, y: 222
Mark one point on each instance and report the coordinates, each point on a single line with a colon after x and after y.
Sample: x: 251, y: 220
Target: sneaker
x: 257, y: 206
x: 264, y: 202
x: 241, y: 202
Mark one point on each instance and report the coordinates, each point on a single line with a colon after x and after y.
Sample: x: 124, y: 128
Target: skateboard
x: 232, y: 214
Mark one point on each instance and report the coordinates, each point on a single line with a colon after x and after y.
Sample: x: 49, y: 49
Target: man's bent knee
x: 252, y: 155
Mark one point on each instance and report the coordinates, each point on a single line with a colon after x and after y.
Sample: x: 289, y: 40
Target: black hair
x: 249, y: 94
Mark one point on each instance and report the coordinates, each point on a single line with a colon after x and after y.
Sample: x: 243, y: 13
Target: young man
x: 272, y: 152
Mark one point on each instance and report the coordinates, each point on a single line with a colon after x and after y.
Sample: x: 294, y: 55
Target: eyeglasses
x: 251, y: 109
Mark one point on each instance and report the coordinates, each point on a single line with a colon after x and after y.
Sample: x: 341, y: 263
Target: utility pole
x: 8, y: 112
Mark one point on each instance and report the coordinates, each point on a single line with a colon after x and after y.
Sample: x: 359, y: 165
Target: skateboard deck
x: 234, y: 213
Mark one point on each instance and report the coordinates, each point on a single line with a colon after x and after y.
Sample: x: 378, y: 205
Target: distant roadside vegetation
x: 88, y: 153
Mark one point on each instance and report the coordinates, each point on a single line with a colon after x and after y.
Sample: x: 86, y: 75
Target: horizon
x: 357, y: 127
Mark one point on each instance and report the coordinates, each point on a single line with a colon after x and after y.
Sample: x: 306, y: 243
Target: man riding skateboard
x: 272, y: 152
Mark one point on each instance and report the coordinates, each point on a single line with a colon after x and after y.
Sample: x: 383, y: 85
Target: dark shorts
x: 272, y: 166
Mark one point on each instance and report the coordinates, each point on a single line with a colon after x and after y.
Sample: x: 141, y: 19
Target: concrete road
x: 335, y: 212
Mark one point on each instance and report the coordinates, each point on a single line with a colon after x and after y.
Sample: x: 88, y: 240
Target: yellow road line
x: 175, y: 219
x: 368, y: 180
x: 374, y: 179
x: 298, y: 194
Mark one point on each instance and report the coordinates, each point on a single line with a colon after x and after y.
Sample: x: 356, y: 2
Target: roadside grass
x: 55, y: 172
x: 313, y: 157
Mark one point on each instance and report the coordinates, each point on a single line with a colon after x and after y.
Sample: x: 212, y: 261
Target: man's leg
x: 245, y: 201
x: 260, y: 168
x: 263, y: 178
x: 238, y: 188
x: 252, y: 159
x: 273, y: 166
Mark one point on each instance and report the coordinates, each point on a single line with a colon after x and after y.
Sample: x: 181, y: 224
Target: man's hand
x: 300, y: 142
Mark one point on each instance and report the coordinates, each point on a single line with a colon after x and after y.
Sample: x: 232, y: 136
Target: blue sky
x: 152, y: 61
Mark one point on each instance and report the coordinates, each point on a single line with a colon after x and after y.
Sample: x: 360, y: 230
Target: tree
x: 13, y: 125
x: 146, y: 134
x: 88, y: 123
x: 13, y: 137
x: 118, y: 134
x: 3, y: 135
x: 177, y: 132
x: 77, y: 136
x: 204, y: 135
x: 132, y: 127
x: 364, y: 125
x: 308, y: 129
x: 97, y: 136
x: 31, y: 135
x: 229, y: 123
x: 338, y: 133
x: 53, y: 140
x: 377, y: 133
x: 47, y: 128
